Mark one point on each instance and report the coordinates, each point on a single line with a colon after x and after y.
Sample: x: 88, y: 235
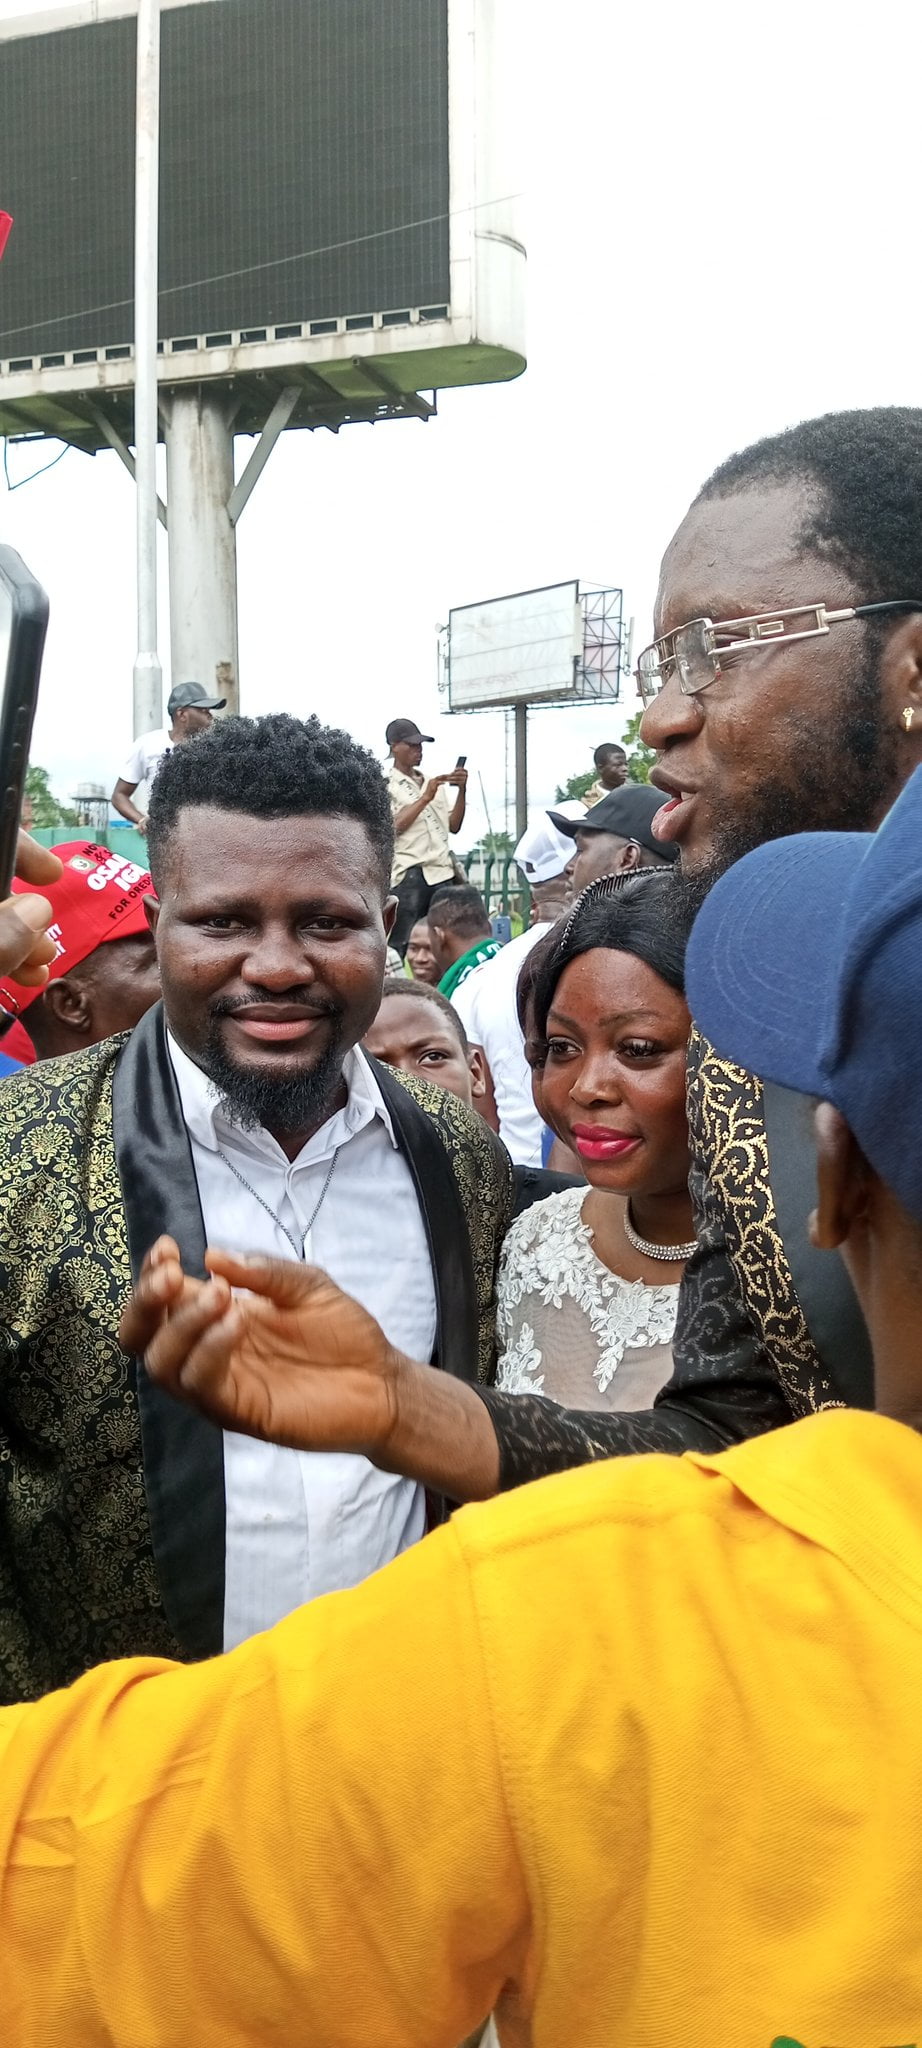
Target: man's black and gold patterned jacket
x: 111, y: 1494
x: 768, y: 1329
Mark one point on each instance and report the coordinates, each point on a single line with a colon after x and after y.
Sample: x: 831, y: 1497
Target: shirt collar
x: 207, y: 1121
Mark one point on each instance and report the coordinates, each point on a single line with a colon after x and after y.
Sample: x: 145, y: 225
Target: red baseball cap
x: 100, y: 896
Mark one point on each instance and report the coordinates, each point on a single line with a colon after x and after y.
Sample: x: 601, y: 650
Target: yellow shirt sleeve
x: 303, y: 1842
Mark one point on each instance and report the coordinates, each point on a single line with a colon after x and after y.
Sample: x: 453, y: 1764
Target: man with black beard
x: 783, y: 694
x: 240, y: 1109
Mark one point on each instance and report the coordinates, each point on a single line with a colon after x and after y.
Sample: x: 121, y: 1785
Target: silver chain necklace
x: 671, y: 1252
x: 297, y: 1248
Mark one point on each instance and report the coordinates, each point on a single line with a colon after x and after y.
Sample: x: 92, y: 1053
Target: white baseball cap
x: 543, y: 852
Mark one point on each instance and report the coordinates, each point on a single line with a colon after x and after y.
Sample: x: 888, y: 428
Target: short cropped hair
x: 273, y: 767
x: 605, y: 752
x: 866, y: 472
x: 423, y: 992
x: 460, y: 910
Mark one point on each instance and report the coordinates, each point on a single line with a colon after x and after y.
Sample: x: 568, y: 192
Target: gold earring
x: 908, y: 716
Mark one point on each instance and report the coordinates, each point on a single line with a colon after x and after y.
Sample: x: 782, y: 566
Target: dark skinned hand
x: 25, y: 951
x: 292, y: 1359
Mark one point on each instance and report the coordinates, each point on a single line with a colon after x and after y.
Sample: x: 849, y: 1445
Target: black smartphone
x: 461, y: 762
x: 23, y: 624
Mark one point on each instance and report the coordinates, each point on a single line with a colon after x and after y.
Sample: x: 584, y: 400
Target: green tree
x: 46, y: 809
x: 497, y: 843
x: 640, y: 758
x: 577, y: 786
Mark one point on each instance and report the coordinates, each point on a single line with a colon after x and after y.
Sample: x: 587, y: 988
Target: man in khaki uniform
x: 425, y: 814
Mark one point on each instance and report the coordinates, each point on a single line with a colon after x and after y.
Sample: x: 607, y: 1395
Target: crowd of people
x: 299, y: 1255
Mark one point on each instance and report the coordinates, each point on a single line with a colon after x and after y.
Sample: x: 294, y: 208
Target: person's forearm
x: 122, y: 802
x: 442, y: 1435
x: 535, y: 1436
x: 408, y: 816
x: 459, y: 807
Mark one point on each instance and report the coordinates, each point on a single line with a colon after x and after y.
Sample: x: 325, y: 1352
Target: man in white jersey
x: 189, y: 710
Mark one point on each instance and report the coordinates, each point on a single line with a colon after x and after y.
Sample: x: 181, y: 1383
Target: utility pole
x: 148, y: 675
x: 521, y: 770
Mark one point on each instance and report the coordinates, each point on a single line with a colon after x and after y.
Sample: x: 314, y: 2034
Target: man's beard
x: 284, y: 1104
x: 844, y: 776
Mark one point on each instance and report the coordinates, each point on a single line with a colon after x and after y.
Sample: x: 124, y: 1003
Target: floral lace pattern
x: 548, y: 1262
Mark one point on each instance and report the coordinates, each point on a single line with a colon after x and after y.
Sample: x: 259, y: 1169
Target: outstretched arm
x: 292, y: 1359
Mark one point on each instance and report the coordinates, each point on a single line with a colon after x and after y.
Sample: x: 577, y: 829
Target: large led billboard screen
x: 289, y: 127
x: 336, y: 184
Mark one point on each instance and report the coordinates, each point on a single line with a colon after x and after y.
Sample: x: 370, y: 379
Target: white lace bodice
x: 566, y: 1326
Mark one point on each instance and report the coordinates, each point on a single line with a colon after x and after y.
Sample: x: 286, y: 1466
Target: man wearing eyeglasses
x: 783, y: 694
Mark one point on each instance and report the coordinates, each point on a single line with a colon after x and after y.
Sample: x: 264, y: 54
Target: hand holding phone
x: 25, y: 952
x: 23, y: 624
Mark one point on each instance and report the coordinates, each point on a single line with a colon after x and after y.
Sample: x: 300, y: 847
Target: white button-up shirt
x: 302, y: 1523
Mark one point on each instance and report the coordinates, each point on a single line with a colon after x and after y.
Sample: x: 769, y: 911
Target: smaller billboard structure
x: 560, y: 644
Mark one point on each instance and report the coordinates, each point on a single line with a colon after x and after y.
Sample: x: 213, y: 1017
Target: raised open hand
x: 292, y: 1359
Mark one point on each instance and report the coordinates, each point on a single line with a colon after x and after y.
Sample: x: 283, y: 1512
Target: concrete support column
x: 202, y: 541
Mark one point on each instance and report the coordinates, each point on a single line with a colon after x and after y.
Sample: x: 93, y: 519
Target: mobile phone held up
x: 23, y: 623
x: 461, y: 762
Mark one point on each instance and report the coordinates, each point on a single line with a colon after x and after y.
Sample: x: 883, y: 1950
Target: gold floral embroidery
x: 728, y: 1132
x: 78, y: 1579
x: 483, y: 1174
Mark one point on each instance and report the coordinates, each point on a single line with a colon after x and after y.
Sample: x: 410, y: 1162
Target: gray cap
x: 185, y: 696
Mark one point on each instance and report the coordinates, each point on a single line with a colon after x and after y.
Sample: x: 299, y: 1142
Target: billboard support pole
x: 202, y: 539
x: 521, y: 770
x: 148, y: 675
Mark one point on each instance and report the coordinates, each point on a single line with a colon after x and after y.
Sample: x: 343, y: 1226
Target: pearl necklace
x: 672, y: 1253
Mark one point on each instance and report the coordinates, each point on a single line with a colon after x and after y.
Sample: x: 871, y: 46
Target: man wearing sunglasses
x: 783, y: 694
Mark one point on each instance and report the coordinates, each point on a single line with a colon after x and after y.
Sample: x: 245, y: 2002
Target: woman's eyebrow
x: 617, y: 1017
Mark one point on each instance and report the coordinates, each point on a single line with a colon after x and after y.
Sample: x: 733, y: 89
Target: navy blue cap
x: 805, y: 967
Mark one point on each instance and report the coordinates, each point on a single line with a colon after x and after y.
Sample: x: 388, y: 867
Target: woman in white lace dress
x: 589, y: 1279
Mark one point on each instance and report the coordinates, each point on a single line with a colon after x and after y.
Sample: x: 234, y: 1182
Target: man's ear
x: 389, y: 913
x: 152, y: 913
x: 475, y: 1061
x: 69, y: 1004
x: 841, y: 1179
x: 631, y: 857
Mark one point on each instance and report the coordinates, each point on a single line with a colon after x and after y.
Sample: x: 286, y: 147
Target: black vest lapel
x: 824, y: 1290
x: 183, y: 1453
x: 446, y: 1227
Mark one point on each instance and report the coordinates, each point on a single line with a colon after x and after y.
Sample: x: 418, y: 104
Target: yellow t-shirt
x: 425, y: 843
x: 640, y: 1744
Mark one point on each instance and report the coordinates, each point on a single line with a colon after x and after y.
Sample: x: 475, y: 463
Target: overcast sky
x: 723, y: 230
